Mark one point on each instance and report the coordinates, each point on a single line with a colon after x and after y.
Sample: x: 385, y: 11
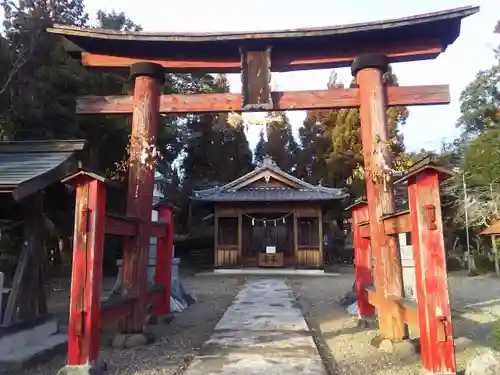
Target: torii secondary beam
x: 283, y: 101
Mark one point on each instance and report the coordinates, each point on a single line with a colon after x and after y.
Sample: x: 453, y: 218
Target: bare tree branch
x: 21, y: 61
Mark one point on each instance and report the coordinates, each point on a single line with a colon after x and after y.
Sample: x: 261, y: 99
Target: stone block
x: 462, y: 343
x: 486, y: 362
x: 99, y: 368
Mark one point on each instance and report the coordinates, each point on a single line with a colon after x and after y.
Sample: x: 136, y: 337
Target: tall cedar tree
x: 281, y: 145
x: 39, y: 84
x: 215, y: 153
x: 331, y: 144
x: 480, y: 101
x: 260, y: 148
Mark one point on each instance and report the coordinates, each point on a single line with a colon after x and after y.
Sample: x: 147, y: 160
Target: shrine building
x: 269, y: 218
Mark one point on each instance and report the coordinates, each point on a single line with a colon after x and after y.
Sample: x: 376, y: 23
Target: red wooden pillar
x: 84, y: 317
x: 147, y: 78
x: 368, y: 70
x: 362, y: 260
x: 163, y: 272
x: 434, y: 314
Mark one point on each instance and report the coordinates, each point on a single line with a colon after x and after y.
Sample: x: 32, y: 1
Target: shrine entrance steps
x: 262, y: 332
x: 267, y: 272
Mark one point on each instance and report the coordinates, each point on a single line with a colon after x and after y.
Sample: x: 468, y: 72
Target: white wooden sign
x: 270, y: 249
x: 408, y: 266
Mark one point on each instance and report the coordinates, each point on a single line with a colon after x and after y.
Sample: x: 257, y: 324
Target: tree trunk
x: 495, y: 254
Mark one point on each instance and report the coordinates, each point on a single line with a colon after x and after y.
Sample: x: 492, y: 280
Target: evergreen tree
x: 260, y: 148
x: 331, y: 151
x: 281, y: 146
x: 480, y: 101
x: 40, y: 82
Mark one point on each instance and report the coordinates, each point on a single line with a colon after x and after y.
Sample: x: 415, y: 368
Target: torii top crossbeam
x: 413, y: 38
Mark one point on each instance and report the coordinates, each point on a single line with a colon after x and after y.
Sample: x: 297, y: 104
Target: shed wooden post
x: 368, y: 70
x: 84, y: 318
x: 147, y: 78
x: 217, y: 261
x: 434, y: 313
x: 163, y: 271
x: 2, y: 278
x: 296, y: 238
x: 362, y: 261
x: 320, y: 234
x: 240, y: 238
x: 26, y: 279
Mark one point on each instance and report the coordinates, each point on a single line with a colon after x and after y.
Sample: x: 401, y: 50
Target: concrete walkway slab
x: 262, y: 332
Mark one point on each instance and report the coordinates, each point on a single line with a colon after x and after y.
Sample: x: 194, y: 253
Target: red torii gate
x: 368, y: 48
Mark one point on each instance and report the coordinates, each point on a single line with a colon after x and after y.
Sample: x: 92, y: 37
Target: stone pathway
x: 262, y: 332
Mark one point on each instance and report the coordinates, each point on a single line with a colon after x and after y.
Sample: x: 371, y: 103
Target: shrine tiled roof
x: 269, y: 195
x: 301, y: 191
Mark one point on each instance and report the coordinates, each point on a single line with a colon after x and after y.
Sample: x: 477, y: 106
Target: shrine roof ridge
x: 196, y: 37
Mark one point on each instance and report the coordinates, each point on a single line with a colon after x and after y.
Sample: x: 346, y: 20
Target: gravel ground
x: 176, y: 343
x: 347, y: 349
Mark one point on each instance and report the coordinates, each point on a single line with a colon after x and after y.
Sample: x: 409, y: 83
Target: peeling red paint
x: 84, y: 321
x: 436, y: 333
x: 362, y: 261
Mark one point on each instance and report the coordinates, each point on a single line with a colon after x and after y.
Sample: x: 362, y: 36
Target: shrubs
x: 453, y: 263
x: 495, y: 337
x: 484, y: 263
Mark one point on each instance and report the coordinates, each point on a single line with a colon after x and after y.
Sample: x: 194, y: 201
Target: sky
x: 427, y: 126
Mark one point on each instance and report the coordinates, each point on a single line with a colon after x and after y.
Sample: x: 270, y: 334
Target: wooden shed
x: 269, y: 218
x: 27, y: 169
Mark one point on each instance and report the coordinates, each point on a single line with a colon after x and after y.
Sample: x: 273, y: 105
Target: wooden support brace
x: 86, y: 276
x: 119, y: 307
x: 163, y: 272
x: 399, y: 222
x: 434, y: 313
x: 159, y: 230
x: 124, y: 226
x: 362, y: 261
x: 121, y: 226
x: 409, y: 309
x: 281, y: 101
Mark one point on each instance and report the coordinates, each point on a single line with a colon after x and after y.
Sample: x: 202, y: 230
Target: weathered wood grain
x: 283, y: 101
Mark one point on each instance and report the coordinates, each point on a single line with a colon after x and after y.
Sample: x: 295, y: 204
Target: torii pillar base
x: 98, y: 368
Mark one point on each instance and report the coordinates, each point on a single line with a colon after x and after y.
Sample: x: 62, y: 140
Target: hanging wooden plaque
x: 256, y: 79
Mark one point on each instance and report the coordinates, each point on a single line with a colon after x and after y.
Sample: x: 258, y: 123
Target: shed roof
x: 240, y: 190
x: 441, y: 27
x: 27, y: 167
x: 492, y: 229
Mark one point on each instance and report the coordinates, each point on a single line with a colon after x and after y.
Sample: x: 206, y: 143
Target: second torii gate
x: 368, y: 48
